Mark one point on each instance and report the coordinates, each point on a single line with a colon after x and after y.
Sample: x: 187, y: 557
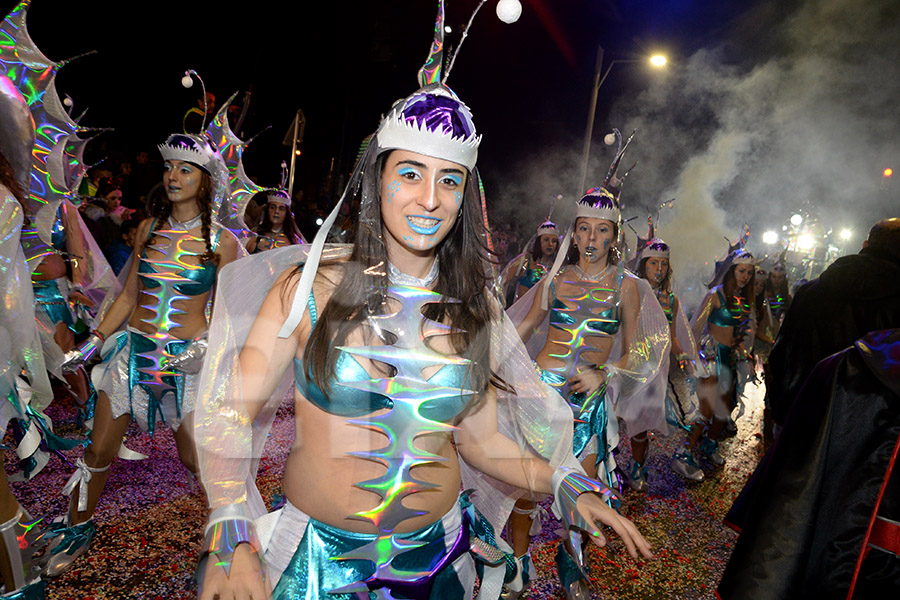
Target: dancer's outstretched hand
x: 595, y: 510
x: 246, y: 580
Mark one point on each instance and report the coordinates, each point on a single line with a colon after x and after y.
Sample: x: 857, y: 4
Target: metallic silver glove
x: 191, y: 359
x: 76, y: 357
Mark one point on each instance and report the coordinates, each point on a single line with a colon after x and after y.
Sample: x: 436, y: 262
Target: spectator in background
x: 119, y: 250
x: 195, y: 117
x: 857, y: 294
x: 144, y: 175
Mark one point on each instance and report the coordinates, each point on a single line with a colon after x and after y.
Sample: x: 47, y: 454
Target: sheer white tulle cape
x: 20, y: 347
x: 640, y: 401
x: 230, y: 446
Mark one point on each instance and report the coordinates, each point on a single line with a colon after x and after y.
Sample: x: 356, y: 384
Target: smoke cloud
x: 802, y: 118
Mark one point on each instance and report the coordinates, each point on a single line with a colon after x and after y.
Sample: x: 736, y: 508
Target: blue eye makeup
x: 455, y: 179
x: 404, y: 171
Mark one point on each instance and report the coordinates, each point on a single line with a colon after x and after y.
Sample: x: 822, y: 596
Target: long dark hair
x: 465, y: 264
x: 730, y: 288
x: 537, y: 251
x: 666, y: 284
x: 204, y: 201
x: 289, y: 228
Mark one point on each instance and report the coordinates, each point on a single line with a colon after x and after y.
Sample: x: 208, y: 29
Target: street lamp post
x: 656, y: 61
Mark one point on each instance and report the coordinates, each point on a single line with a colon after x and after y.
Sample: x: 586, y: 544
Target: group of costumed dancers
x: 410, y: 377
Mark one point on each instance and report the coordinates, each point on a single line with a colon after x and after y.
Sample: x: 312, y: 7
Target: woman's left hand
x: 594, y: 510
x: 80, y: 298
x: 588, y: 381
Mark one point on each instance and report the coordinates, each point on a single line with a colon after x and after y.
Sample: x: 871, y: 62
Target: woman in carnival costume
x: 597, y: 312
x: 24, y: 387
x: 278, y: 227
x: 404, y: 394
x: 681, y: 400
x: 531, y: 266
x: 724, y: 324
x: 147, y: 369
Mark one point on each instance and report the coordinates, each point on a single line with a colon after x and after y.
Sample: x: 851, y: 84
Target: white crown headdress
x: 402, y: 129
x: 280, y: 195
x: 190, y: 148
x: 655, y: 248
x: 600, y: 204
x: 547, y: 228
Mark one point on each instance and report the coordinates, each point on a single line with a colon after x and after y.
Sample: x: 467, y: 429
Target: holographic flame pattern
x: 402, y: 425
x: 166, y: 271
x: 34, y: 76
x: 586, y: 323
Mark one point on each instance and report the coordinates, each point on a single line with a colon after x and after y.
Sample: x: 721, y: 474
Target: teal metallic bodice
x: 725, y: 316
x: 533, y: 274
x: 349, y: 402
x: 415, y: 407
x: 668, y: 309
x: 187, y: 279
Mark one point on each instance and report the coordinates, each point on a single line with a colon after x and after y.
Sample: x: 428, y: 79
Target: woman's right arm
x: 251, y: 245
x: 263, y: 359
x: 265, y: 356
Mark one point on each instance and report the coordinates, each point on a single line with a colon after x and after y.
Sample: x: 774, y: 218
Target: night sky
x: 787, y: 105
x: 528, y: 83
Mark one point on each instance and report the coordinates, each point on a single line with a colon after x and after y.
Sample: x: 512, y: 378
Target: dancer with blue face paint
x: 147, y: 372
x: 407, y: 381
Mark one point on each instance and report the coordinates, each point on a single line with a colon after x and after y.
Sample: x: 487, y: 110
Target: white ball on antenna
x: 187, y: 81
x: 509, y: 11
x: 67, y: 101
x: 609, y: 139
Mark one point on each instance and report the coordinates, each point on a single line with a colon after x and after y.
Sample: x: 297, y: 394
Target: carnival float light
x: 770, y: 237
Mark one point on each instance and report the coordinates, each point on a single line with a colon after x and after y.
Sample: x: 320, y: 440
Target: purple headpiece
x: 655, y: 248
x: 600, y: 204
x: 433, y: 122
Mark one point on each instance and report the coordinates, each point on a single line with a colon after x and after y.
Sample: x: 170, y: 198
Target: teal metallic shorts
x: 308, y: 569
x: 591, y: 417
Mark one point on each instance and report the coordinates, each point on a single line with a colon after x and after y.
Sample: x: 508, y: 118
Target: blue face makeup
x: 392, y: 189
x: 423, y: 229
x: 456, y: 179
x: 404, y: 171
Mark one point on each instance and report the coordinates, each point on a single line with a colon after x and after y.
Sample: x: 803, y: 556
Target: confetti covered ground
x: 150, y: 518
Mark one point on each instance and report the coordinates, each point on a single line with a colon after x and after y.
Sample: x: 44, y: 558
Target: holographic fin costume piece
x: 403, y: 424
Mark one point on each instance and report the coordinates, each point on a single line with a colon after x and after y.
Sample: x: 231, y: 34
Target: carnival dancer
x: 146, y: 373
x: 593, y: 303
x: 530, y: 267
x: 278, y: 227
x: 724, y: 324
x: 403, y: 390
x: 681, y: 400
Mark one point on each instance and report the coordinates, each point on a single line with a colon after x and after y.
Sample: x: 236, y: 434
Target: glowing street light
x: 796, y: 220
x: 770, y: 237
x: 846, y: 234
x: 888, y: 172
x: 657, y: 61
